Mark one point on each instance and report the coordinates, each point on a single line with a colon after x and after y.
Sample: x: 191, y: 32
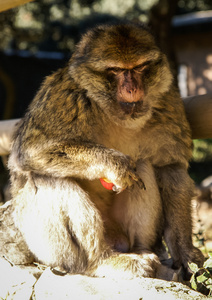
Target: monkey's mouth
x: 132, y: 108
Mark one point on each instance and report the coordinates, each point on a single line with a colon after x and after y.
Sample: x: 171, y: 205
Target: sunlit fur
x: 76, y: 131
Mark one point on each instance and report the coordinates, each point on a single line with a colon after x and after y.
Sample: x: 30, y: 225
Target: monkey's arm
x: 83, y: 160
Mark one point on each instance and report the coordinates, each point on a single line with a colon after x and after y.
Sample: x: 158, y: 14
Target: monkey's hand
x: 122, y: 173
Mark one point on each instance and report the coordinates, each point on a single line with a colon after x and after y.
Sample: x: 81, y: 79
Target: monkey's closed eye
x: 115, y: 71
x: 142, y: 67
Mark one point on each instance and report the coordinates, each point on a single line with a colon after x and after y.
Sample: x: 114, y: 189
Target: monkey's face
x: 121, y: 68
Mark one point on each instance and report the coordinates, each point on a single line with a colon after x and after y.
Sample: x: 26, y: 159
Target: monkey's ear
x: 83, y: 48
x: 87, y: 42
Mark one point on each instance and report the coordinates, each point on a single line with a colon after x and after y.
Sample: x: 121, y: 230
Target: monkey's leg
x: 176, y: 191
x: 60, y: 224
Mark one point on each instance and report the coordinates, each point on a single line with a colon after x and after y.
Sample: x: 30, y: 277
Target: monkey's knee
x: 67, y: 228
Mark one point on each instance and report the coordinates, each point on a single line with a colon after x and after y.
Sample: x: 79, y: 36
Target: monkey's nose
x: 131, y: 94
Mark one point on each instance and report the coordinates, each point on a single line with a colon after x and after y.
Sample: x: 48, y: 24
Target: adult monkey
x: 113, y: 112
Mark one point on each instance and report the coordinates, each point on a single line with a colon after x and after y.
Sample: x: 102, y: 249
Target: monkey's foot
x: 195, y: 256
x: 128, y: 266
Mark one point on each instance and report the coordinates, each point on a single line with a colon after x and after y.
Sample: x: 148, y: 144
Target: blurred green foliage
x: 57, y: 25
x: 201, y: 279
x: 201, y: 164
x: 186, y: 6
x: 51, y: 25
x: 202, y: 150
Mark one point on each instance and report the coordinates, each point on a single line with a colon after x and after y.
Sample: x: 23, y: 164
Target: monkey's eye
x: 114, y: 70
x: 141, y: 68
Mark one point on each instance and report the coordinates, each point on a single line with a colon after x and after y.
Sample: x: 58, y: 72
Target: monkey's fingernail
x: 134, y: 177
x: 117, y: 189
x: 142, y: 185
x: 114, y: 188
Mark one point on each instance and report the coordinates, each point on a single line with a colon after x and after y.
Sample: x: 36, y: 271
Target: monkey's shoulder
x: 59, y: 93
x: 59, y: 109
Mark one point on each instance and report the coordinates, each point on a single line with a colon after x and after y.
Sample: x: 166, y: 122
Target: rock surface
x: 29, y: 283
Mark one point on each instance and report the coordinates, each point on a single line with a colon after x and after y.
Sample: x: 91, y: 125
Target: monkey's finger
x: 141, y: 184
x: 134, y: 176
x: 138, y: 180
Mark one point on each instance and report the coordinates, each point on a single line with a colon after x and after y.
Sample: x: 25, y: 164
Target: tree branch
x: 8, y: 4
x: 199, y: 114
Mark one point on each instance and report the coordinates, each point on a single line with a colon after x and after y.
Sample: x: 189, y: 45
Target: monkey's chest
x: 124, y: 141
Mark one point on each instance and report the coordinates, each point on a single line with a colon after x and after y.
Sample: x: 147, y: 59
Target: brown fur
x: 112, y: 112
